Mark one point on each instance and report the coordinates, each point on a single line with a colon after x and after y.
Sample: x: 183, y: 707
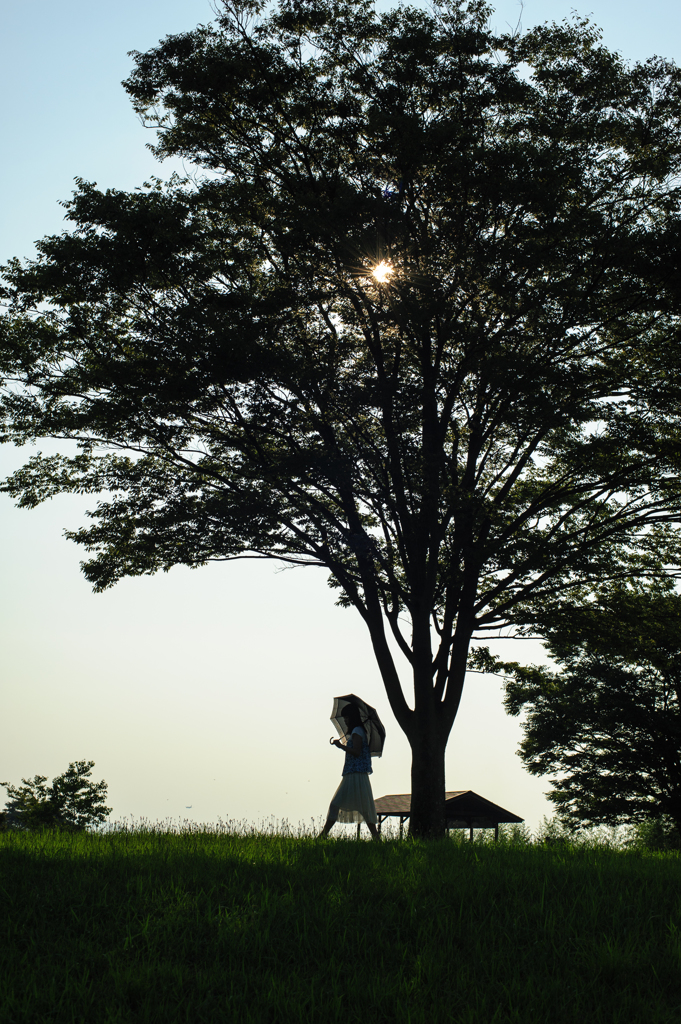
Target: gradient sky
x: 175, y: 685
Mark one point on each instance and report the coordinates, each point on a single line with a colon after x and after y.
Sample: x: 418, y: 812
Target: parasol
x: 372, y: 723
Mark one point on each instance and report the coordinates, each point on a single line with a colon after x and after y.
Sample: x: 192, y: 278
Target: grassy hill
x: 153, y: 926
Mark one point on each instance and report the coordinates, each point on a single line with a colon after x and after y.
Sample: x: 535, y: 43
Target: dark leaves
x: 609, y: 723
x: 494, y: 426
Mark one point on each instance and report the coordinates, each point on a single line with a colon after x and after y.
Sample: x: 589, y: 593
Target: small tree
x: 71, y: 802
x: 656, y: 834
x: 609, y: 722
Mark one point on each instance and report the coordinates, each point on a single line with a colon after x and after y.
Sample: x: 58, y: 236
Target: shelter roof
x: 463, y: 808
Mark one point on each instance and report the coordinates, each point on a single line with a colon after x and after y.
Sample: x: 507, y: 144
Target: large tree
x: 413, y: 320
x: 607, y: 725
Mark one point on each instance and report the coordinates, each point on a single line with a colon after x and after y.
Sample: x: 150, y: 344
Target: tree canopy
x: 72, y: 802
x: 489, y: 420
x: 609, y: 722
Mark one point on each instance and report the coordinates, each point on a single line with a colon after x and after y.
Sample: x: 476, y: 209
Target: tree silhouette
x: 607, y: 725
x: 489, y: 421
x: 71, y: 802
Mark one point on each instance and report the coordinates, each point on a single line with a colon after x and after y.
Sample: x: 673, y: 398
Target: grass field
x: 154, y: 926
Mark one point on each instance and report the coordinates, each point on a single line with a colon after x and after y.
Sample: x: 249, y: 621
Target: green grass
x: 153, y: 926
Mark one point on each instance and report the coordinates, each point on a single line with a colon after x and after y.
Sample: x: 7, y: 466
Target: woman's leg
x: 374, y: 832
x: 331, y: 820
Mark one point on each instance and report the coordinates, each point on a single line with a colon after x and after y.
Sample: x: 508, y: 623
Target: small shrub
x: 656, y: 834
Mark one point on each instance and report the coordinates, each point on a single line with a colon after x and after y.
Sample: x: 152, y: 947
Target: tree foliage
x: 72, y: 802
x: 494, y: 423
x: 609, y: 722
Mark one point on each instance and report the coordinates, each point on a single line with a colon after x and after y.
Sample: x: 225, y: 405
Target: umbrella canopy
x: 372, y: 723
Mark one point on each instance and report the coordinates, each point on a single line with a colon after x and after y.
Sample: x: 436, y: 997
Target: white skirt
x: 353, y: 801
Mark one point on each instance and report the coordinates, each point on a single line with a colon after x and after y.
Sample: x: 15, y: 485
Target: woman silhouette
x: 353, y: 801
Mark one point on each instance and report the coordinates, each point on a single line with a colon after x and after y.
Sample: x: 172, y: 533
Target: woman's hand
x: 353, y: 748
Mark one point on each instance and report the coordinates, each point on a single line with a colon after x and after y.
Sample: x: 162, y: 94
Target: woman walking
x: 353, y: 801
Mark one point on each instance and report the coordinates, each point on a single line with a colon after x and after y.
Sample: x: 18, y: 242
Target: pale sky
x: 174, y: 684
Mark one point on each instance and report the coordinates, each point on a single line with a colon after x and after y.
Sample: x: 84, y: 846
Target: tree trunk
x: 428, y: 732
x: 428, y: 741
x: 428, y: 726
x: 427, y: 819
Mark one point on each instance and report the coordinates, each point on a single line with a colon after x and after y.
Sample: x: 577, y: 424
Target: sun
x: 382, y: 272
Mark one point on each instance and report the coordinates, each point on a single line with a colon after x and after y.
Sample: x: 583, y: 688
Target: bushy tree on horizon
x: 414, y: 321
x: 607, y: 724
x: 72, y: 802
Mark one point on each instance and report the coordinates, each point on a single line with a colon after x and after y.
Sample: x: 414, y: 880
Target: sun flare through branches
x: 382, y: 272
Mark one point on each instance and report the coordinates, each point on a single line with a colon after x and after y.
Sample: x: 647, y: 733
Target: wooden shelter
x: 463, y: 809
